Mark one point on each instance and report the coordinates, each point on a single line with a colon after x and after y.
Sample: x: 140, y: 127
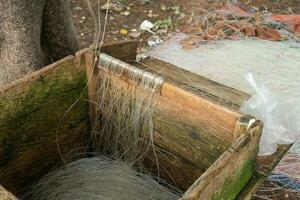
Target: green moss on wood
x: 235, y: 183
x: 29, y: 118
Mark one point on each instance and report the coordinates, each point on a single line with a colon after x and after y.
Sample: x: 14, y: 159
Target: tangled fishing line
x: 284, y: 182
x: 100, y: 178
x: 123, y: 123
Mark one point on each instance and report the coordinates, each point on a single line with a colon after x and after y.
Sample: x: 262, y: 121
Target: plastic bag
x: 280, y: 117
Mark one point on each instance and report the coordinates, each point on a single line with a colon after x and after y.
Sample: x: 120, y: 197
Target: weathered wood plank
x: 197, y: 84
x: 231, y: 172
x: 264, y: 166
x: 217, y: 120
x: 176, y: 169
x: 35, y: 127
x: 184, y: 127
x: 253, y: 185
x: 122, y: 50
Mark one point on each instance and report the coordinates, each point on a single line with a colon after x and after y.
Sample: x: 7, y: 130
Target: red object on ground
x: 249, y: 31
x: 291, y: 20
x: 240, y: 11
x: 237, y: 10
x: 268, y: 34
x: 236, y: 21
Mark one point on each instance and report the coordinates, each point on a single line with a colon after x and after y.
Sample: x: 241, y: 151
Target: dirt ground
x: 125, y: 17
x: 129, y: 14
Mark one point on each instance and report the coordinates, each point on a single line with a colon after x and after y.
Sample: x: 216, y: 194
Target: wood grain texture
x: 122, y: 50
x: 193, y: 129
x: 231, y: 172
x: 211, y: 90
x: 196, y: 120
x: 30, y: 129
x: 265, y: 164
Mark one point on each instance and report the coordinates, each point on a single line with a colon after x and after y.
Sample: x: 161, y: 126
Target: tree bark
x: 33, y: 33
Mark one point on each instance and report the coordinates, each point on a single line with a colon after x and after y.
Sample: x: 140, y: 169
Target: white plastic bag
x: 281, y: 118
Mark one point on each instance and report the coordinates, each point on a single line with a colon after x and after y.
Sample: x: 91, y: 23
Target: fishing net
x: 100, y: 178
x: 284, y: 182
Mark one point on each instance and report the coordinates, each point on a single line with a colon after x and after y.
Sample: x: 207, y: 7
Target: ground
x: 183, y: 14
x: 126, y: 16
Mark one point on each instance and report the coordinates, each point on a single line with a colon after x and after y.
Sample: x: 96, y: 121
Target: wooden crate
x: 212, y: 147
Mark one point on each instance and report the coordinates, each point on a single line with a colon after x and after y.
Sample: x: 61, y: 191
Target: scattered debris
x: 163, y: 24
x: 154, y: 40
x: 237, y: 10
x: 235, y: 21
x: 151, y: 14
x: 135, y: 34
x: 163, y: 7
x: 293, y: 21
x: 117, y: 7
x: 125, y: 13
x: 76, y: 8
x: 144, y: 2
x: 147, y: 26
x: 176, y: 10
x: 124, y: 31
x: 107, y: 6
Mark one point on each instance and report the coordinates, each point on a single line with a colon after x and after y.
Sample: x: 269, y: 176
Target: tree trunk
x: 33, y: 33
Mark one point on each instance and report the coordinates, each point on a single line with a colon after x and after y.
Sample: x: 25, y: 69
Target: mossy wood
x: 197, y: 126
x: 231, y: 172
x: 30, y: 129
x: 264, y: 166
x: 44, y: 116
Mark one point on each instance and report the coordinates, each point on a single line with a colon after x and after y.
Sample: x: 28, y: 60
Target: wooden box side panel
x: 227, y: 177
x: 34, y: 122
